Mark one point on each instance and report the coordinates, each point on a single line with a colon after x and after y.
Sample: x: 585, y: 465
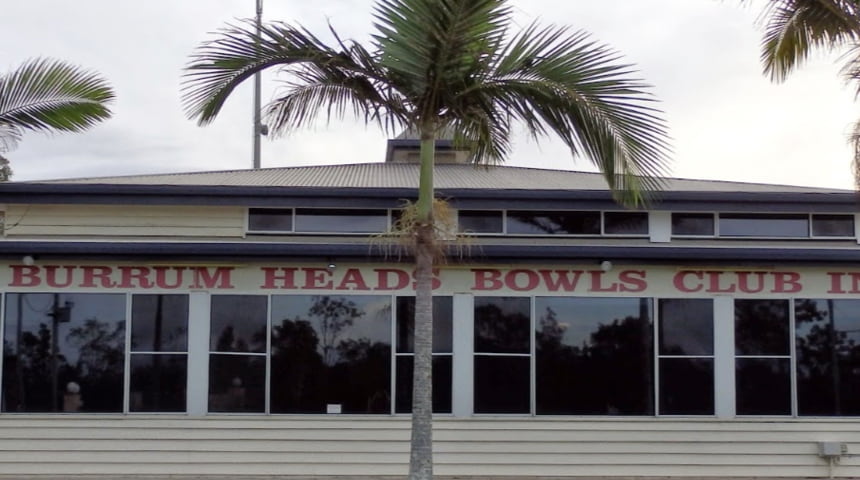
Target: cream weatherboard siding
x: 491, y: 446
x: 124, y: 221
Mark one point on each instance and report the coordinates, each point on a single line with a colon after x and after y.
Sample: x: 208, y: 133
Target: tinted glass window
x: 625, y: 223
x: 757, y: 225
x: 87, y: 332
x: 692, y: 224
x: 762, y: 382
x: 270, y: 219
x: 502, y: 324
x: 158, y: 382
x: 238, y: 323
x: 442, y: 378
x: 761, y: 327
x: 341, y: 220
x: 686, y: 332
x: 827, y: 338
x: 833, y: 225
x: 686, y: 327
x: 763, y: 386
x: 331, y: 350
x: 686, y: 386
x: 237, y: 364
x: 159, y: 323
x: 443, y: 321
x: 548, y: 223
x: 502, y: 384
x: 594, y: 356
x: 237, y: 383
x: 480, y: 221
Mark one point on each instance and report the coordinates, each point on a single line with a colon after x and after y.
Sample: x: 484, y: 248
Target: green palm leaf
x: 796, y: 28
x: 50, y: 95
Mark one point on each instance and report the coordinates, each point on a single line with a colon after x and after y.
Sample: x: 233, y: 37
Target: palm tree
x: 50, y: 95
x: 438, y: 66
x: 794, y: 29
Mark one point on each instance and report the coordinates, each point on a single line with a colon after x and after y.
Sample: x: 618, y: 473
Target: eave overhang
x: 44, y: 193
x: 363, y: 252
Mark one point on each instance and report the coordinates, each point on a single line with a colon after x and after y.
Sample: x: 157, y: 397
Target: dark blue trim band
x: 478, y: 254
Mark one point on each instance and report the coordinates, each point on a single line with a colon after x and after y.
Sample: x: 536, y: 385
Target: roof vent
x: 405, y: 149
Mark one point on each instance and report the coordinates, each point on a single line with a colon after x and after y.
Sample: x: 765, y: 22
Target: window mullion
x: 198, y: 354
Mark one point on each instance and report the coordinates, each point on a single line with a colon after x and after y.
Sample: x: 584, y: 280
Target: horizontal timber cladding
x: 124, y: 220
x: 171, y: 445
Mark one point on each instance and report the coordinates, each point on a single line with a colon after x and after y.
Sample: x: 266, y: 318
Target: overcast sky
x: 727, y: 121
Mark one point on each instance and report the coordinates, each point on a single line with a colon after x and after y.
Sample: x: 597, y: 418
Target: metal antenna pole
x: 257, y: 101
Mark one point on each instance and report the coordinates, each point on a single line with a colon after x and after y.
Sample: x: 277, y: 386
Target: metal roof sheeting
x: 399, y: 175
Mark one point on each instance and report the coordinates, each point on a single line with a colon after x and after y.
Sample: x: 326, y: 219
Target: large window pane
x: 594, y: 356
x: 442, y: 377
x: 443, y: 322
x: 237, y: 383
x: 686, y: 386
x: 827, y: 336
x: 763, y: 386
x: 761, y: 327
x: 341, y: 220
x: 238, y: 323
x: 158, y: 377
x: 158, y: 382
x: 159, y: 323
x: 686, y: 327
x: 551, y: 223
x: 686, y: 348
x: 762, y: 378
x: 502, y: 384
x: 502, y: 324
x: 63, y: 352
x: 763, y: 225
x: 331, y: 350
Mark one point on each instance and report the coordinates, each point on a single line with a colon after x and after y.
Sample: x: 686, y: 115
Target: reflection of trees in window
x: 158, y: 360
x: 686, y: 356
x: 828, y: 356
x: 762, y: 357
x: 594, y: 356
x: 502, y: 355
x: 561, y: 222
x: 331, y: 350
x: 237, y: 360
x: 64, y: 352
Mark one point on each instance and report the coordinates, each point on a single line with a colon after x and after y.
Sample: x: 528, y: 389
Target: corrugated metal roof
x: 400, y: 175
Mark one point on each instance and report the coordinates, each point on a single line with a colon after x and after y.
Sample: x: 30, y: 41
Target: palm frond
x: 50, y: 95
x: 9, y: 137
x: 220, y: 65
x: 795, y: 28
x: 430, y: 46
x: 567, y: 84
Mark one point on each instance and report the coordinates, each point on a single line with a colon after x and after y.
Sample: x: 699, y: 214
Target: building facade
x: 255, y: 322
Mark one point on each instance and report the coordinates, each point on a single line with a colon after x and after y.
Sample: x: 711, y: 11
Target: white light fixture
x: 28, y: 260
x: 606, y: 265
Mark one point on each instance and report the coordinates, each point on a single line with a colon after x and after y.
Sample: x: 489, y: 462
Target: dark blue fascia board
x: 478, y: 254
x: 42, y: 193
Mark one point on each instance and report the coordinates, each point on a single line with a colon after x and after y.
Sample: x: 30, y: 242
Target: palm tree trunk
x: 421, y: 446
